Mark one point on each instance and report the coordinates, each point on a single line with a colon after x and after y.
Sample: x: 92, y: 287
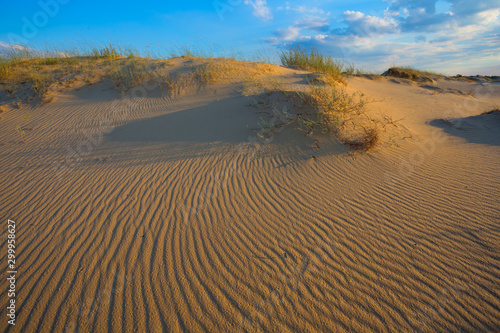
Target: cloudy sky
x: 450, y: 36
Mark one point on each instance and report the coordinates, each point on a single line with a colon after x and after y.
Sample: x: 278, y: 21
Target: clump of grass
x: 299, y: 58
x: 349, y: 69
x: 106, y: 52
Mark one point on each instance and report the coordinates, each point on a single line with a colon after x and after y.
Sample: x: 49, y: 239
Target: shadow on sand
x: 220, y: 121
x: 484, y: 128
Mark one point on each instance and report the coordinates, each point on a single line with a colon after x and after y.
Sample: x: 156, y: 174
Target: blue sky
x: 450, y: 36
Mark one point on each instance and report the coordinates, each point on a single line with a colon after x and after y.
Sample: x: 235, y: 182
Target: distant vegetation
x: 417, y: 72
x: 413, y: 74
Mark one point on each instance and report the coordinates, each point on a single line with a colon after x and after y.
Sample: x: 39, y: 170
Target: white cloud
x: 320, y: 37
x: 260, y: 9
x: 9, y: 49
x: 288, y: 34
x: 489, y: 16
x: 445, y: 35
x: 351, y: 16
x: 366, y: 25
x: 313, y: 23
x: 304, y: 10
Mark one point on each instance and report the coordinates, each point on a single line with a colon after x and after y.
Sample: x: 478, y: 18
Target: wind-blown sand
x: 180, y: 218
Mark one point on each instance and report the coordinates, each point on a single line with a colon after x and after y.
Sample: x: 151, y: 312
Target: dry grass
x: 27, y: 79
x: 25, y: 75
x: 216, y: 70
x: 129, y: 73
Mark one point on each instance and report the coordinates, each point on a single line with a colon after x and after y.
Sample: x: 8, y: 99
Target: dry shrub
x: 343, y: 114
x: 492, y: 111
x: 365, y: 141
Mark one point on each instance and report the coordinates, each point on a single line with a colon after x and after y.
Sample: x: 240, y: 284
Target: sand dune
x: 169, y: 213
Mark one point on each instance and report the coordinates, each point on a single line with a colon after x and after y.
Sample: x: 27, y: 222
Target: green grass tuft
x: 299, y: 58
x: 49, y: 61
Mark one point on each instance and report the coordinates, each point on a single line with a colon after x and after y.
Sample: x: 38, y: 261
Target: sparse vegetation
x: 18, y: 129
